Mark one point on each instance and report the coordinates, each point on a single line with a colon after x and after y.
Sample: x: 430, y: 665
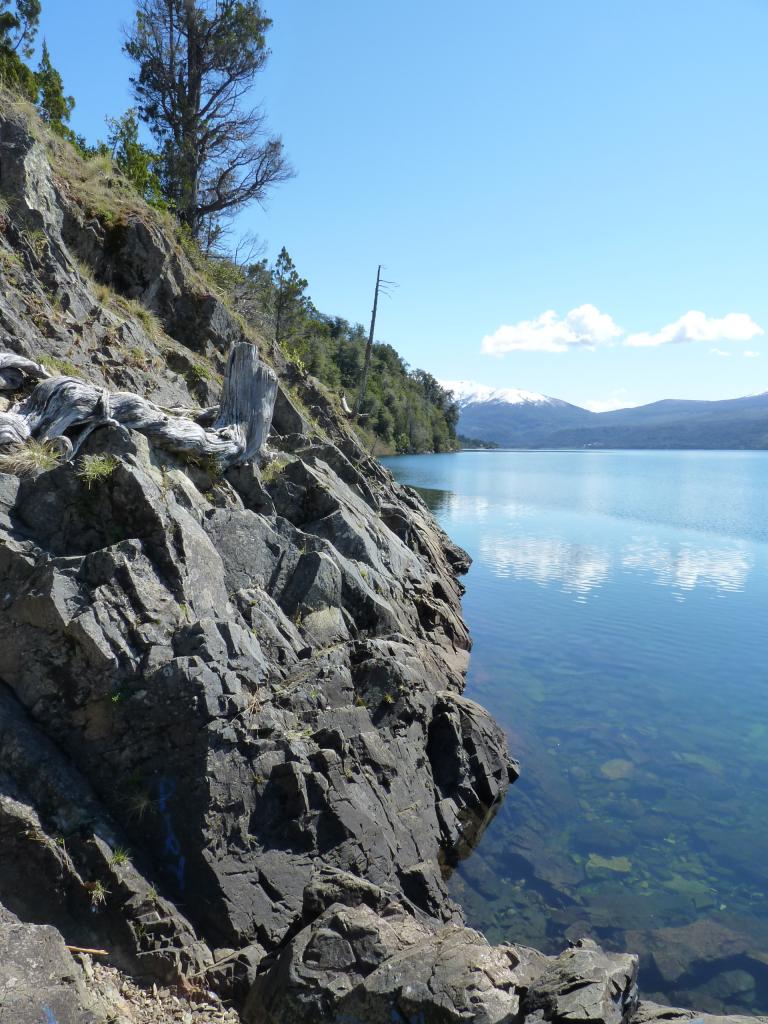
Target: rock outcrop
x: 234, y: 750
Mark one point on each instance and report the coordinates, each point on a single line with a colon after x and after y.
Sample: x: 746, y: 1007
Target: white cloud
x: 583, y: 327
x: 697, y: 326
x: 750, y: 354
x: 721, y: 352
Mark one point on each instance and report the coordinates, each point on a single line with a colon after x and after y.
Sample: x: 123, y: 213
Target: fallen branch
x: 91, y: 952
x: 66, y: 410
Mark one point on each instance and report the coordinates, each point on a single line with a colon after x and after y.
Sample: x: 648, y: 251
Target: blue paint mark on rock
x: 172, y: 849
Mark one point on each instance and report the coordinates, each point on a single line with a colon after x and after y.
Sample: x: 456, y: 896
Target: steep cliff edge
x: 234, y: 751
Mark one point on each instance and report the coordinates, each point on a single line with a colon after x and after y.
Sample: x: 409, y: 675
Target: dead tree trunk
x: 67, y: 410
x: 369, y: 346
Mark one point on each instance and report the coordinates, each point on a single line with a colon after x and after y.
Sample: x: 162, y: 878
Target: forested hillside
x: 406, y: 410
x: 202, y: 186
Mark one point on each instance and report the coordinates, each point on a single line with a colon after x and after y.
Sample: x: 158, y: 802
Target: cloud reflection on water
x: 581, y: 568
x: 689, y: 566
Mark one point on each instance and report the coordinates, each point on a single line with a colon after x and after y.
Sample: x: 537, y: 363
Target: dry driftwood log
x: 14, y: 370
x: 66, y: 410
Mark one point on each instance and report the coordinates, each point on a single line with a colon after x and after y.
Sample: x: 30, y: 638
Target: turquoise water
x: 618, y: 605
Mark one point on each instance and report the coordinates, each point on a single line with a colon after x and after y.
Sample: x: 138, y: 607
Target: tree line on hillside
x: 406, y: 409
x: 196, y: 62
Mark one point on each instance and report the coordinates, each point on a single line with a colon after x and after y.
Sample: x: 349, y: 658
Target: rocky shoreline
x: 234, y: 750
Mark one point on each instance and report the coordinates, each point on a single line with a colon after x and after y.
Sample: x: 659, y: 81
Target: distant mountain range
x: 524, y: 419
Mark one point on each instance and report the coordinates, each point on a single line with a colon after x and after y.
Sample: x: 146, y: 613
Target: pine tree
x: 197, y: 61
x: 55, y: 108
x: 290, y: 301
x: 135, y: 160
x: 18, y: 28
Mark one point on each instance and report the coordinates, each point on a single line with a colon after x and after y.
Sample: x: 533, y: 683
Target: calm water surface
x: 618, y: 604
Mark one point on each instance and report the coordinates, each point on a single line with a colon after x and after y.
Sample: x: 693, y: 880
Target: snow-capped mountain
x: 510, y: 416
x: 514, y: 418
x: 468, y: 391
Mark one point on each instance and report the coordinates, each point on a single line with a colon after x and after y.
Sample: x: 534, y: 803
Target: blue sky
x: 546, y: 180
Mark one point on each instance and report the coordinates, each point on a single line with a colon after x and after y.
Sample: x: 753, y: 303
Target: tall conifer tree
x: 197, y: 62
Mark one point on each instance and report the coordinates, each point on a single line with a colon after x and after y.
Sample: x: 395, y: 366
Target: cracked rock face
x: 131, y: 629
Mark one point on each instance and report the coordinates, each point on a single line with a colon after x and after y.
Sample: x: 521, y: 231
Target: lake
x: 618, y: 605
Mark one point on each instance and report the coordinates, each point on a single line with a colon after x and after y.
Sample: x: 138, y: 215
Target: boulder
x: 376, y: 964
x: 584, y: 984
x: 40, y: 983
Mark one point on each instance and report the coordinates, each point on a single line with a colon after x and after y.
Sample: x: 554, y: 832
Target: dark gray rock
x: 40, y: 983
x: 584, y: 984
x: 375, y: 964
x: 287, y: 419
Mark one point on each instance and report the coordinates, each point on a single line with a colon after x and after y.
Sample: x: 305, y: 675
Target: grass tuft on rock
x: 30, y: 459
x: 60, y: 367
x: 95, y: 468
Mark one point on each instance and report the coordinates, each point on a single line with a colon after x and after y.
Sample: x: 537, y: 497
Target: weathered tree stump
x: 67, y: 410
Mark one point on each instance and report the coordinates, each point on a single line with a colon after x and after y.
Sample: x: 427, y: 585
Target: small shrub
x: 294, y: 356
x: 103, y: 293
x: 223, y: 273
x: 148, y: 320
x: 270, y: 472
x: 139, y: 805
x: 137, y: 357
x: 99, y: 893
x: 94, y: 468
x: 208, y: 464
x: 30, y: 458
x: 98, y: 167
x: 199, y: 373
x: 9, y: 260
x: 37, y: 242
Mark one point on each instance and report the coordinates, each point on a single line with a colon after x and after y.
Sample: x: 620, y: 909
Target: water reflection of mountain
x: 581, y: 568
